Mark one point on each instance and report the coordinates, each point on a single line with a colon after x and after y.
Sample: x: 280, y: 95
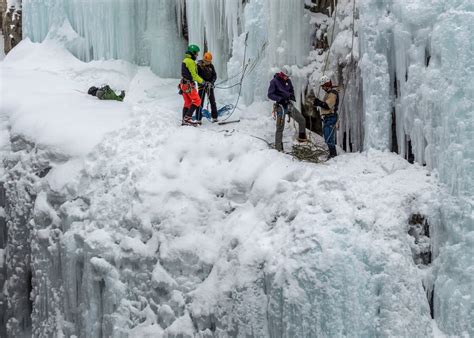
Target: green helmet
x: 193, y: 49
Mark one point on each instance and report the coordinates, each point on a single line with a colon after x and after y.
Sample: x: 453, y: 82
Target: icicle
x: 145, y: 33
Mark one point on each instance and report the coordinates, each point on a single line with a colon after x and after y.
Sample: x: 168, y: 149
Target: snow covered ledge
x: 133, y: 232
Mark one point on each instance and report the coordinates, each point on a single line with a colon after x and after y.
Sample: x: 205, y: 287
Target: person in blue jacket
x: 282, y: 92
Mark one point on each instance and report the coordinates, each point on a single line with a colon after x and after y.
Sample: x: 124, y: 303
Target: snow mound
x: 157, y: 229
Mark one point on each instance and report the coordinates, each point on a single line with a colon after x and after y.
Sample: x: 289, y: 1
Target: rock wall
x: 3, y: 9
x: 11, y: 23
x: 321, y: 6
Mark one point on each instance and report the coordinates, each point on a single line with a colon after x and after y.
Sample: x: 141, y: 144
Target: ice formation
x: 417, y: 64
x: 132, y: 232
x: 150, y: 32
x: 145, y: 32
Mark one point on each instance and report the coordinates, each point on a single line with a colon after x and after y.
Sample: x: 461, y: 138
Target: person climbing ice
x: 207, y: 71
x: 328, y: 111
x: 106, y: 93
x: 189, y: 77
x: 282, y: 92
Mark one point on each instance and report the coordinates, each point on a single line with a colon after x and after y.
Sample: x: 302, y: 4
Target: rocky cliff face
x: 321, y: 6
x: 11, y: 24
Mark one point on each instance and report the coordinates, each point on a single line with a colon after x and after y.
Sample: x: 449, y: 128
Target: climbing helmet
x: 193, y: 49
x: 325, y: 81
x: 207, y: 56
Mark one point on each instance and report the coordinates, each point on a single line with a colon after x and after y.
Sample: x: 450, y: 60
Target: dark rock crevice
x: 419, y: 230
x: 11, y: 27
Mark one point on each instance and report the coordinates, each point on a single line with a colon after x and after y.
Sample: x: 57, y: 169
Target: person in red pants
x: 189, y: 77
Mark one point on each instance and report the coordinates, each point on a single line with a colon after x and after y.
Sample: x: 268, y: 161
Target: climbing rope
x: 244, y: 66
x: 348, y: 68
x: 308, y: 153
x: 326, y: 62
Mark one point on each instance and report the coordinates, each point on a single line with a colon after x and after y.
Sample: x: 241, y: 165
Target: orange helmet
x: 208, y: 56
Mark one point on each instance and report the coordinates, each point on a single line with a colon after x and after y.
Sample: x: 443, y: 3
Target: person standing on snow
x: 328, y: 111
x: 187, y: 85
x: 281, y: 91
x: 207, y: 71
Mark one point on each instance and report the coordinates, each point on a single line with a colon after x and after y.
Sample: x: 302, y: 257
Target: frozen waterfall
x: 417, y: 65
x: 145, y: 32
x: 130, y: 232
x: 151, y: 32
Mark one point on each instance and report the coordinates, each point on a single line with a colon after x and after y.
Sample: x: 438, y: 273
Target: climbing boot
x: 188, y: 121
x: 302, y: 138
x: 191, y: 110
x: 332, y: 153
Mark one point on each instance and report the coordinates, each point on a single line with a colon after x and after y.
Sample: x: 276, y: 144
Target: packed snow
x: 168, y: 230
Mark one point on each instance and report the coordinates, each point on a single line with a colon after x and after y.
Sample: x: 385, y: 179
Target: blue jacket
x: 281, y: 91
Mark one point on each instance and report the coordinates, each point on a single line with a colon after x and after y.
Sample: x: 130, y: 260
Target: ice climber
x: 328, y: 110
x: 281, y: 91
x: 207, y: 72
x: 106, y: 93
x: 189, y: 76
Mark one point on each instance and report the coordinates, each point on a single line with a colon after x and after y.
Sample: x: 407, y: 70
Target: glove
x: 283, y: 102
x: 275, y: 109
x: 317, y: 102
x: 292, y: 98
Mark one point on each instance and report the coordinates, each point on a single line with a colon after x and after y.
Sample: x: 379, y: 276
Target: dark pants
x: 280, y: 124
x: 329, y: 130
x: 212, y: 101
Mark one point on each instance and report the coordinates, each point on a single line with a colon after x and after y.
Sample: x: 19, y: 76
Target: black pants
x: 212, y: 101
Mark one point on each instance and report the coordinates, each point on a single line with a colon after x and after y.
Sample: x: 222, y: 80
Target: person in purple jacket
x: 281, y: 91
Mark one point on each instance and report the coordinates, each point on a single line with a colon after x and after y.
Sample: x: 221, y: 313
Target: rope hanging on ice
x: 251, y: 66
x: 327, y: 61
x: 241, y: 79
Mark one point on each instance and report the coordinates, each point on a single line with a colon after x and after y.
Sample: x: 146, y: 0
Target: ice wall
x: 417, y: 62
x: 149, y: 32
x: 213, y: 25
x: 278, y: 34
x: 145, y: 32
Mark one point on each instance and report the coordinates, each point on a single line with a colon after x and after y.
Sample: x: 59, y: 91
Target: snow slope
x: 146, y: 228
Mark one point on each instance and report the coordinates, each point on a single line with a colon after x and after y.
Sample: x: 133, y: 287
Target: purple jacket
x: 280, y: 90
